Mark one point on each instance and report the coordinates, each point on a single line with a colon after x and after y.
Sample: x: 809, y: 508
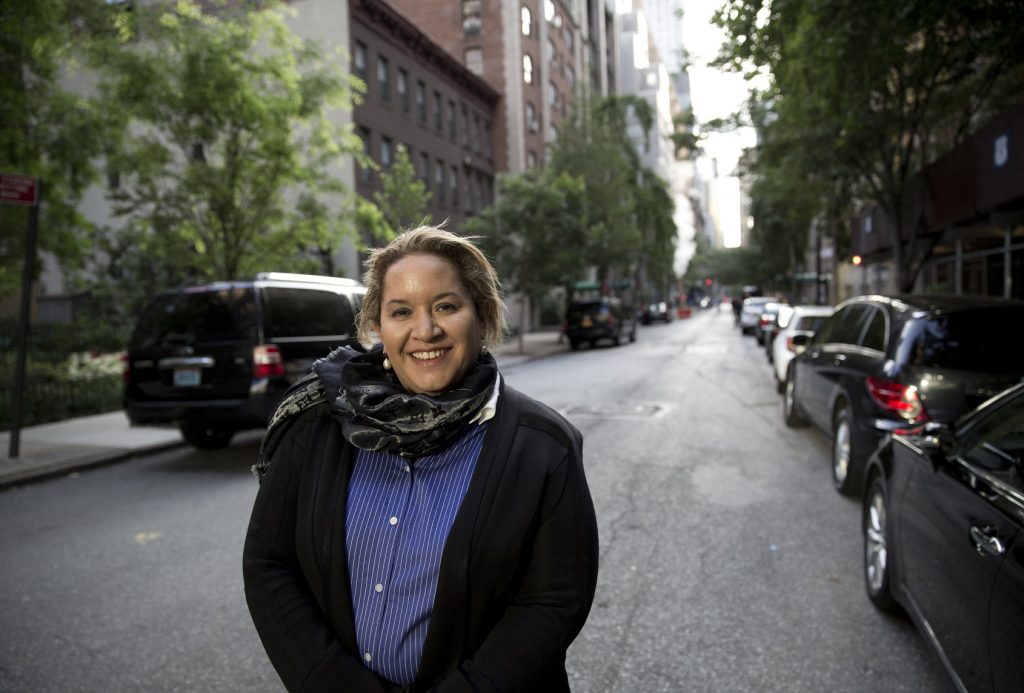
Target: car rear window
x: 810, y: 323
x: 307, y: 313
x: 986, y: 341
x: 198, y: 315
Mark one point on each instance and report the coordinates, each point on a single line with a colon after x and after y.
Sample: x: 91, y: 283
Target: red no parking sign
x: 18, y: 190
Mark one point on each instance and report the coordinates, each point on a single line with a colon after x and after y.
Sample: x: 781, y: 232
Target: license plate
x: 186, y: 377
x: 586, y: 321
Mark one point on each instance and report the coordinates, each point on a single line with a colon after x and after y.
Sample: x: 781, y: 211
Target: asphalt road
x: 728, y: 562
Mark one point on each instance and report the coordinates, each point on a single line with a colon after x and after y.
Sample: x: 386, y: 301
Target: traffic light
x: 707, y: 282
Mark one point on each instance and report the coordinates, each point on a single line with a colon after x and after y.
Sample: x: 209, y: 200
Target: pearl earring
x: 386, y: 364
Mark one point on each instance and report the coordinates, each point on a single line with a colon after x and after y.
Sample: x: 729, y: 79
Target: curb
x: 91, y: 460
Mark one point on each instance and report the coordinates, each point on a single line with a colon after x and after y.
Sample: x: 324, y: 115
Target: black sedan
x: 884, y: 364
x: 943, y: 527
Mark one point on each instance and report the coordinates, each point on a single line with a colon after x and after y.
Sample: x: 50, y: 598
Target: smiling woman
x: 465, y: 554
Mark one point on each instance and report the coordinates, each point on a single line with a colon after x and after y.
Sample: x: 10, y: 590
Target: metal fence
x: 50, y: 393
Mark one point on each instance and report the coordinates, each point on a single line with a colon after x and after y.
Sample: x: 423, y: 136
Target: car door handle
x: 985, y: 541
x: 839, y: 358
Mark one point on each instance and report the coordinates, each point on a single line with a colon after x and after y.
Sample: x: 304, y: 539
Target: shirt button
x: 393, y: 521
x: 378, y: 587
x: 367, y: 657
x: 408, y: 468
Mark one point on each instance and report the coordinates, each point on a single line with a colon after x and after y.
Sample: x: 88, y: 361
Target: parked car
x: 943, y: 528
x: 772, y: 331
x: 766, y: 321
x: 217, y: 358
x: 659, y: 311
x: 750, y: 312
x: 606, y: 318
x: 887, y: 364
x: 800, y: 324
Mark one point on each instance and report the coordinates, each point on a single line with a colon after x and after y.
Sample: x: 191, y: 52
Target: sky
x: 716, y: 94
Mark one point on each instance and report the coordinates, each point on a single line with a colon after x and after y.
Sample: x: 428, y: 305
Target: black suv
x: 883, y: 364
x: 590, y: 320
x: 216, y: 358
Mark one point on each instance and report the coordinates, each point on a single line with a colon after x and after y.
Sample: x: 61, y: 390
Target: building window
x: 467, y: 176
x: 570, y: 76
x: 531, y: 117
x: 454, y: 181
x: 425, y: 169
x: 451, y: 120
x: 552, y: 95
x: 477, y: 145
x: 421, y: 100
x: 528, y: 69
x: 488, y: 145
x: 549, y: 10
x: 552, y: 52
x: 438, y: 113
x: 527, y: 19
x: 403, y: 90
x: 531, y: 160
x: 384, y: 77
x: 471, y: 16
x: 474, y: 59
x: 568, y: 39
x: 465, y: 126
x: 359, y: 60
x: 439, y: 180
x: 385, y: 152
x: 364, y: 134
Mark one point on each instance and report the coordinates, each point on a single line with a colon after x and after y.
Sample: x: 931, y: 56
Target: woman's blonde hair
x: 474, y: 268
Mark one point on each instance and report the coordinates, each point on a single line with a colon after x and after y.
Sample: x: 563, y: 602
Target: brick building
x: 420, y: 97
x: 536, y: 53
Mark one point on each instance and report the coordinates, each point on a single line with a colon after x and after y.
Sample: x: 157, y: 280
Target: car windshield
x: 979, y: 340
x: 198, y: 316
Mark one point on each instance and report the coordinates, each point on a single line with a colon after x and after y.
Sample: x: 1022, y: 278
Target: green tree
x: 864, y: 95
x: 628, y: 209
x: 45, y: 130
x: 533, y: 233
x: 403, y: 197
x: 228, y: 168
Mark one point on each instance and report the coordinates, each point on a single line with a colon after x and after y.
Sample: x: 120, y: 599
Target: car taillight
x: 898, y: 398
x: 762, y: 321
x: 267, y: 362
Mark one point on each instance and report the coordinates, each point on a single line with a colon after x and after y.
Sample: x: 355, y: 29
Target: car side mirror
x: 937, y: 441
x: 800, y: 341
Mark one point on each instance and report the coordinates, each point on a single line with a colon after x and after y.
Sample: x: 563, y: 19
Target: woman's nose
x: 426, y: 328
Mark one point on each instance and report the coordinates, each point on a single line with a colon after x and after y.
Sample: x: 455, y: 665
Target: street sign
x: 18, y: 190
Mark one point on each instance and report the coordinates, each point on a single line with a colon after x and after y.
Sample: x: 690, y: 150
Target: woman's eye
x: 399, y: 312
x: 446, y: 307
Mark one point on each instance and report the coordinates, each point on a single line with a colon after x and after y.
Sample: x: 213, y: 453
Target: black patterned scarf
x: 377, y: 414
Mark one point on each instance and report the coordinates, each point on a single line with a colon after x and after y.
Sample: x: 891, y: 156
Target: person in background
x: 420, y: 524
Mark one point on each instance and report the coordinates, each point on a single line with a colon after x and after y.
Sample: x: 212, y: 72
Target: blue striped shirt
x: 397, y: 521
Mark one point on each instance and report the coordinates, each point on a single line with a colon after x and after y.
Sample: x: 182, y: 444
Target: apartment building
x: 535, y: 53
x: 421, y: 98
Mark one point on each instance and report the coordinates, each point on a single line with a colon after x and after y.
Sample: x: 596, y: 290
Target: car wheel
x: 845, y: 473
x: 780, y: 385
x: 205, y: 437
x: 790, y: 409
x: 874, y: 525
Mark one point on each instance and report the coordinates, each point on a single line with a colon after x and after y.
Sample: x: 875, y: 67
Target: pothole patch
x: 620, y: 410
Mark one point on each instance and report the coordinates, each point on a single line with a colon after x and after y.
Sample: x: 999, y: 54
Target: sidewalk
x: 60, y: 448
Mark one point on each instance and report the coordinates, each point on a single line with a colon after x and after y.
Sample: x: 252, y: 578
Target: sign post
x: 22, y: 190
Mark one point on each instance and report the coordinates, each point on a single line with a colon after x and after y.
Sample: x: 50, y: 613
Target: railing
x: 62, y: 380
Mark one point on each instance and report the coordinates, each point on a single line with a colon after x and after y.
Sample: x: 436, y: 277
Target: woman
x: 420, y: 525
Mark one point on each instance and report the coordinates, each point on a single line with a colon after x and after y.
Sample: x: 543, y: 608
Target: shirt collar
x: 487, y: 411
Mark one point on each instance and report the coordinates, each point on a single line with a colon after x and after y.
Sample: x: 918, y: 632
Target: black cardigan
x: 517, y: 575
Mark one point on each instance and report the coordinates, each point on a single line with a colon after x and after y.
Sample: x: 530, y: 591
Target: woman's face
x: 429, y: 325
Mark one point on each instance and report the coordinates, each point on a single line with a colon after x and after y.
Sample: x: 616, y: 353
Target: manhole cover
x: 620, y: 410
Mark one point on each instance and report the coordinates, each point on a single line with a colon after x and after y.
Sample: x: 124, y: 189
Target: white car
x: 750, y: 313
x: 802, y: 320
